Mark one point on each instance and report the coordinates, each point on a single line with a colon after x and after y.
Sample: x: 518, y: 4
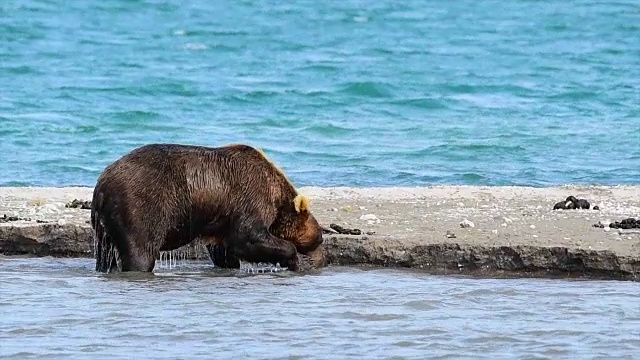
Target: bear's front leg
x: 259, y: 245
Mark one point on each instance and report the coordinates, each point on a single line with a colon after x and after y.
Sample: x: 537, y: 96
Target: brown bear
x: 160, y: 197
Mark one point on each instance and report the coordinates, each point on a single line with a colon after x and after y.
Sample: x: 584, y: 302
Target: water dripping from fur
x: 261, y: 268
x: 173, y: 258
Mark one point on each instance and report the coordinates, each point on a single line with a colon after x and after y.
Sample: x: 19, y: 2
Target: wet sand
x: 514, y: 229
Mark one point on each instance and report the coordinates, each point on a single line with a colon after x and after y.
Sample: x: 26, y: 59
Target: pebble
x: 607, y: 229
x: 495, y: 231
x: 507, y: 220
x: 503, y: 224
x: 62, y: 222
x: 48, y: 209
x: 369, y: 217
x: 535, y: 236
x: 362, y: 208
x: 467, y: 224
x: 532, y: 226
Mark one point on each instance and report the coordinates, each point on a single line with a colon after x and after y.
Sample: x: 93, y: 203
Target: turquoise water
x: 339, y: 93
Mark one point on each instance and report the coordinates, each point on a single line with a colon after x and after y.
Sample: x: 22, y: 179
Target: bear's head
x: 296, y: 224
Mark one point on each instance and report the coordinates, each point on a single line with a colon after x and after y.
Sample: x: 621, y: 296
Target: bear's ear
x: 301, y: 203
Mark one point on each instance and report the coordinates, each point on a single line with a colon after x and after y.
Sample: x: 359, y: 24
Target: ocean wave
x: 134, y: 115
x: 70, y: 129
x: 261, y: 94
x: 318, y: 158
x: 166, y: 87
x: 150, y: 127
x: 366, y: 89
x: 249, y: 96
x: 472, y: 177
x: 149, y: 87
x: 210, y: 33
x: 328, y: 129
x: 510, y: 89
x: 574, y: 95
x: 420, y: 103
x: 256, y: 96
x: 93, y: 89
x: 9, y: 132
x: 469, y: 149
x: 21, y: 70
x: 319, y: 68
x: 130, y: 65
x: 278, y: 122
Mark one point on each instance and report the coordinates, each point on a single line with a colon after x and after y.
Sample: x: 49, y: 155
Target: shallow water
x: 60, y: 308
x: 338, y: 92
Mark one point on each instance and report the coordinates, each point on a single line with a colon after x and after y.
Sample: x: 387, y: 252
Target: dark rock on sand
x: 79, y: 204
x: 561, y: 205
x: 582, y: 204
x: 628, y: 223
x: 345, y: 231
x: 326, y: 230
x: 6, y: 219
x: 571, y: 202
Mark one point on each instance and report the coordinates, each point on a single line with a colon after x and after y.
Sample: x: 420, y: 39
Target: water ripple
x: 338, y: 313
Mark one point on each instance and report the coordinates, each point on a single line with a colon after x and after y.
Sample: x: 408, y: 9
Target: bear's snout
x: 317, y: 256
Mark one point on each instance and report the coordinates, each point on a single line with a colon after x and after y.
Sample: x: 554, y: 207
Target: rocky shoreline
x: 484, y: 231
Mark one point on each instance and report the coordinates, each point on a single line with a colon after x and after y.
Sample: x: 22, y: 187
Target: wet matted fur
x: 160, y: 197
